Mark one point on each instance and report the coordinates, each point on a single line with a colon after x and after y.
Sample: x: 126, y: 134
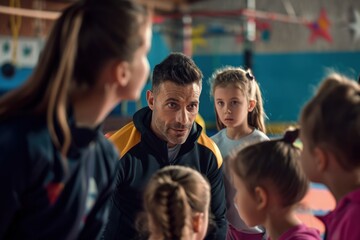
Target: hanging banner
x: 27, y: 54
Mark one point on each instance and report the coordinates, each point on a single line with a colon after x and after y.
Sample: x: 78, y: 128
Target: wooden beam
x: 164, y: 5
x: 51, y: 15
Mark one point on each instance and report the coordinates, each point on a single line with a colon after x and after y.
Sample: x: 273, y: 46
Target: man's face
x: 174, y: 110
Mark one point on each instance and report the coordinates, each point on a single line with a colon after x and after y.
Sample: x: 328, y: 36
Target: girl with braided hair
x: 176, y: 203
x: 56, y: 166
x: 269, y: 183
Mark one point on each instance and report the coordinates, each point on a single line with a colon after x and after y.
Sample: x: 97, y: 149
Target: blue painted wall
x: 287, y: 80
x: 21, y: 74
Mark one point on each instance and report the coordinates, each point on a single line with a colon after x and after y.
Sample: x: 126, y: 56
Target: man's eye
x: 193, y: 107
x: 171, y: 105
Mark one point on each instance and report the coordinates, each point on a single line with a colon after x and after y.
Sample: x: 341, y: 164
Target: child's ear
x: 261, y: 197
x: 150, y: 99
x: 321, y: 159
x: 122, y: 73
x: 252, y: 104
x: 198, y: 221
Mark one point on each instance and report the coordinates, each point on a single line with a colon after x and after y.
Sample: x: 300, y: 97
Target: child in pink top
x: 269, y: 184
x: 330, y: 133
x: 300, y: 232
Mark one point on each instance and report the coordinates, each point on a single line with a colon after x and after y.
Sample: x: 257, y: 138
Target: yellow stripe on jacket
x: 207, y: 142
x: 126, y: 138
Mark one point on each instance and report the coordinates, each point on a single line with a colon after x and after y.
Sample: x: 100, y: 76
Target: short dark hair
x: 177, y: 68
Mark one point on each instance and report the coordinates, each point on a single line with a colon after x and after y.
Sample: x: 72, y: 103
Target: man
x: 164, y: 133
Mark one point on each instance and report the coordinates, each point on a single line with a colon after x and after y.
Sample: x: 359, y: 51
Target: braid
x: 172, y: 209
x: 173, y: 194
x: 177, y: 206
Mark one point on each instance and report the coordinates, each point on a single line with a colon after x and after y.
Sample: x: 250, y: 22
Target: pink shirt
x: 301, y: 232
x: 343, y: 221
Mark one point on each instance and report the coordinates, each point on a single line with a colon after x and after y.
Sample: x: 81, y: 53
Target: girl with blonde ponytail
x: 240, y: 121
x: 56, y: 167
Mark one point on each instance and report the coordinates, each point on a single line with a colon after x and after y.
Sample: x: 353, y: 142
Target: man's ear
x: 321, y: 159
x: 261, y: 198
x: 150, y: 99
x: 198, y: 221
x: 252, y: 104
x: 122, y: 73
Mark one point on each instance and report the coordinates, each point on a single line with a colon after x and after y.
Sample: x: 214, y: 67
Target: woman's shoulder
x: 20, y: 142
x: 17, y: 129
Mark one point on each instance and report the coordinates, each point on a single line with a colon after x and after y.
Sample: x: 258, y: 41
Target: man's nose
x: 182, y: 117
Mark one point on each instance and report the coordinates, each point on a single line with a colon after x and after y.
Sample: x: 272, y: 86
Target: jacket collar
x: 81, y: 137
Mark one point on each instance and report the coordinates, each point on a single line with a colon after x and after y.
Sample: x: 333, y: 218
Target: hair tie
x: 249, y: 76
x: 291, y: 135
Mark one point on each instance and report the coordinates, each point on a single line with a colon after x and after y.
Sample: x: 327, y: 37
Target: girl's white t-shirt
x: 227, y: 146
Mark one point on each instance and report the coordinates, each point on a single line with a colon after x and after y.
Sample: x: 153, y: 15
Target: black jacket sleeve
x: 218, y: 203
x: 120, y: 225
x: 12, y: 170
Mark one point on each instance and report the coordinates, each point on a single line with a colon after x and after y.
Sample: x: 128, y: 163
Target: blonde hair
x: 245, y: 81
x: 331, y: 119
x: 87, y: 35
x: 173, y: 194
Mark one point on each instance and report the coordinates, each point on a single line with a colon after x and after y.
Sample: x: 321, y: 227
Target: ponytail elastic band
x: 249, y: 76
x: 291, y: 135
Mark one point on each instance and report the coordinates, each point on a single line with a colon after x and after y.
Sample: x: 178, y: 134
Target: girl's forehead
x: 238, y: 85
x: 229, y: 91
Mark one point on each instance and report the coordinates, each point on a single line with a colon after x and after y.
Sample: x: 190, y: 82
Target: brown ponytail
x: 69, y: 61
